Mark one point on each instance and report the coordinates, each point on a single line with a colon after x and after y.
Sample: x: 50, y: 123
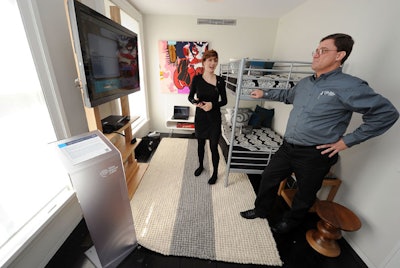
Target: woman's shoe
x: 213, y: 179
x: 198, y: 171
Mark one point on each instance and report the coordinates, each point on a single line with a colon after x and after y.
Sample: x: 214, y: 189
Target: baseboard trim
x: 358, y: 255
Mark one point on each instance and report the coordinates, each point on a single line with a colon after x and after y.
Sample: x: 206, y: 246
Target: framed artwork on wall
x: 180, y: 61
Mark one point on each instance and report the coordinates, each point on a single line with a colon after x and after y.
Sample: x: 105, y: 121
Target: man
x: 322, y: 108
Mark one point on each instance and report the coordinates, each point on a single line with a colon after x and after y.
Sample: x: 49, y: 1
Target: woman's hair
x: 209, y: 54
x: 343, y: 42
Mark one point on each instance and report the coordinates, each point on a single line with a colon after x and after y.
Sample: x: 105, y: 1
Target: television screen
x: 106, y: 55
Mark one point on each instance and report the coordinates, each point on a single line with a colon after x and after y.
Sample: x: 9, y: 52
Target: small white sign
x: 84, y: 148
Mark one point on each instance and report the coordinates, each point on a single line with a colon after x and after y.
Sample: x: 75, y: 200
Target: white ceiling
x: 217, y: 8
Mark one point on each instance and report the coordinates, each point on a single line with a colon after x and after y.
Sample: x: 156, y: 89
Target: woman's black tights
x: 214, y: 156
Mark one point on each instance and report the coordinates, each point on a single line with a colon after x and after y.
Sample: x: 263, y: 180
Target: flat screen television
x: 106, y: 54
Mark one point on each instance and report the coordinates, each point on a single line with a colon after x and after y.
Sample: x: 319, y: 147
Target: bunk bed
x: 248, y: 149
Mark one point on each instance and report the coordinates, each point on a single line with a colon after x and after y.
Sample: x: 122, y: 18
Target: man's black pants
x: 309, y: 167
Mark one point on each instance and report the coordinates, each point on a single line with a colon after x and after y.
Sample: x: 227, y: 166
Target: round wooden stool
x: 334, y: 219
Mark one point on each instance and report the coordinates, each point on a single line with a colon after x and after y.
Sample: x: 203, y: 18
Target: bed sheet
x: 263, y: 139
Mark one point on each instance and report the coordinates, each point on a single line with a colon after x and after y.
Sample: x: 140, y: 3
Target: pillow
x: 254, y: 65
x: 255, y: 121
x: 228, y: 119
x: 255, y: 70
x: 242, y: 118
x: 261, y: 117
x: 229, y: 111
x: 268, y: 65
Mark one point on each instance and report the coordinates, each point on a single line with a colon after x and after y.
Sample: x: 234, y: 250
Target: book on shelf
x: 184, y: 125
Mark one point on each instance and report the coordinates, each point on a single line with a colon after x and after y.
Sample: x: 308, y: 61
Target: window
x: 32, y: 183
x: 137, y: 100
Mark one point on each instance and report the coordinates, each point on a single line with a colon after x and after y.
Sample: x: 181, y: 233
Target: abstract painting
x: 180, y: 61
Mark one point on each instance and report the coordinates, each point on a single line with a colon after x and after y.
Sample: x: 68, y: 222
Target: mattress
x: 251, y: 152
x: 262, y: 139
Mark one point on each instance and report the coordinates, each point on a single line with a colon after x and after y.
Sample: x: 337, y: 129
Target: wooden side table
x: 288, y: 194
x: 334, y: 219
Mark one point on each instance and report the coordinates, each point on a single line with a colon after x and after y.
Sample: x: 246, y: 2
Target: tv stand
x: 133, y: 170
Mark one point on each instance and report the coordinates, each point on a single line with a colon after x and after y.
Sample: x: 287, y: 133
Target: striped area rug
x: 178, y: 214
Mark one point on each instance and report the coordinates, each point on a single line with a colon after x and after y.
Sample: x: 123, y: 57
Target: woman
x: 210, y: 96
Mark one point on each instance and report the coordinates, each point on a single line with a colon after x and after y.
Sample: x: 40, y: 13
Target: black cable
x: 119, y: 133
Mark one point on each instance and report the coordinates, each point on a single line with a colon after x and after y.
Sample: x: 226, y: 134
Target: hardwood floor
x: 293, y: 249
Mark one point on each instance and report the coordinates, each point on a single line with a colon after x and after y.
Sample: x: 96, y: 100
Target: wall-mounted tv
x: 106, y: 54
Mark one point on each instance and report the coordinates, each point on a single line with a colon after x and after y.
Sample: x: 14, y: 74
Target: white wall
x: 251, y: 37
x: 370, y: 171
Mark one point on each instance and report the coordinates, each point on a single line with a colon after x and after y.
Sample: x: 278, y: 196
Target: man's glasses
x: 321, y: 51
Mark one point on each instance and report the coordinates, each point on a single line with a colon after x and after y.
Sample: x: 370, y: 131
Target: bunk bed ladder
x: 290, y: 75
x: 232, y: 138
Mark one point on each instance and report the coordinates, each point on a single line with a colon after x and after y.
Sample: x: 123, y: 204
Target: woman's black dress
x: 208, y: 124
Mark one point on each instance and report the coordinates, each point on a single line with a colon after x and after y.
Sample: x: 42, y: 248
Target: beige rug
x: 176, y: 213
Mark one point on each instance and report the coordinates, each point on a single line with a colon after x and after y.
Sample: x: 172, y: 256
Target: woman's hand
x: 206, y: 106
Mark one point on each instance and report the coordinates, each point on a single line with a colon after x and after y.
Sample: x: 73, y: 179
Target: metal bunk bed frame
x: 237, y: 70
